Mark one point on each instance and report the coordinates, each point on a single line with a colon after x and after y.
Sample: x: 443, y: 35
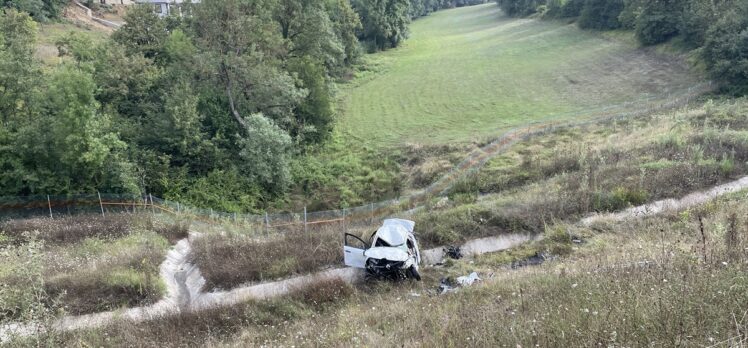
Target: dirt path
x: 184, y: 283
x: 657, y: 207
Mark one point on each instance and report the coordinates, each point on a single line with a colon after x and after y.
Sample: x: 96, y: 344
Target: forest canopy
x: 217, y: 107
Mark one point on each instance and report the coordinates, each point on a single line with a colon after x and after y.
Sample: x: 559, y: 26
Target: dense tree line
x: 385, y: 22
x: 218, y: 100
x: 40, y: 10
x: 217, y: 107
x: 719, y: 28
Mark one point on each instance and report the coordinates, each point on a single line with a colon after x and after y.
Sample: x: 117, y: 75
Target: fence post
x: 211, y: 214
x: 345, y: 223
x: 49, y: 204
x: 234, y: 216
x: 371, y: 219
x: 153, y: 209
x: 179, y: 208
x: 305, y: 219
x: 101, y: 205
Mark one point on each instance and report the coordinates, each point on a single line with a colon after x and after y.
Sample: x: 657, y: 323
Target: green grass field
x: 472, y: 73
x: 51, y: 32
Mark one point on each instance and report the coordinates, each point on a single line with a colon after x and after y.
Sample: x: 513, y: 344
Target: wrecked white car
x: 391, y: 253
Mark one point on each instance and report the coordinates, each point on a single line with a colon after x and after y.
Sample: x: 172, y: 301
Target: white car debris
x: 391, y: 253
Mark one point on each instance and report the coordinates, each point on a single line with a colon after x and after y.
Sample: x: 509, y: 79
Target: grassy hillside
x: 674, y: 279
x: 473, y: 72
x: 50, y: 33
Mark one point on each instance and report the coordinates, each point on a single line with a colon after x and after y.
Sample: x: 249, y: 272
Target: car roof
x: 395, y: 231
x: 407, y: 224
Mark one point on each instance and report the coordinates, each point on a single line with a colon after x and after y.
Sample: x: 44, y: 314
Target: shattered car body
x: 391, y: 253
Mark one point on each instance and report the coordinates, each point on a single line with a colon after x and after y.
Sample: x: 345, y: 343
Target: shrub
x: 173, y: 232
x: 322, y: 293
x: 601, y: 14
x: 726, y: 49
x: 572, y: 8
x: 658, y: 21
x: 617, y: 199
x: 519, y: 8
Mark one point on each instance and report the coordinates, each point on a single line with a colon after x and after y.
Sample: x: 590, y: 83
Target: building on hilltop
x: 166, y: 7
x: 161, y: 7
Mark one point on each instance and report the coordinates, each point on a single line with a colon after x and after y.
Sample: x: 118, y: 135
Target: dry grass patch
x: 227, y: 261
x: 86, y: 263
x: 211, y: 327
x: 98, y: 275
x: 76, y: 228
x: 70, y: 229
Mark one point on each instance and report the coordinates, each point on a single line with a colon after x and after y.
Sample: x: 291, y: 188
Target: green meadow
x: 471, y: 73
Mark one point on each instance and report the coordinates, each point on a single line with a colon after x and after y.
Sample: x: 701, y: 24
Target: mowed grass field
x: 473, y: 72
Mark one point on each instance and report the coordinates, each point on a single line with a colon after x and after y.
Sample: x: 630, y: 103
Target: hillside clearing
x: 471, y: 72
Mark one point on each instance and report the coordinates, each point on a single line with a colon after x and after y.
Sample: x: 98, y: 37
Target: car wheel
x: 413, y: 272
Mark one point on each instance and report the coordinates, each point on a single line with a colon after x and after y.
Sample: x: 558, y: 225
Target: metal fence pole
x: 49, y: 204
x: 101, y: 205
x: 305, y: 219
x: 179, y: 208
x: 371, y: 218
x: 345, y: 223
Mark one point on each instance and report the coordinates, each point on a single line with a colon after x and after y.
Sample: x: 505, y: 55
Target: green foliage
x: 342, y: 175
x: 385, y: 22
x: 572, y: 8
x: 726, y: 49
x: 306, y: 24
x: 57, y: 141
x: 520, y: 7
x: 698, y: 16
x: 658, y: 21
x: 265, y: 153
x: 617, y: 199
x: 143, y: 32
x: 545, y: 8
x: 601, y: 14
x: 631, y: 11
x: 314, y: 117
x: 40, y: 10
x: 78, y: 46
x: 84, y: 155
x: 346, y: 23
x: 18, y: 69
x: 223, y: 191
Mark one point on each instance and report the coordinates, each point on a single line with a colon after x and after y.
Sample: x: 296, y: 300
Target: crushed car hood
x: 389, y: 253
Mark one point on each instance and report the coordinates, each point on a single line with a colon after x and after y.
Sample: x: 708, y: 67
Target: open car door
x: 353, y: 251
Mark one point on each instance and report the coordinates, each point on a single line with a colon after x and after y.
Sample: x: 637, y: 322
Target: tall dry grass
x: 227, y: 261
